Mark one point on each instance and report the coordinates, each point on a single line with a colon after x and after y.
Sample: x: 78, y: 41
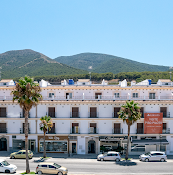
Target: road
x: 92, y: 166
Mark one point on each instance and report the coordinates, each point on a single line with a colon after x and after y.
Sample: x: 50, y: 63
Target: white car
x: 111, y: 155
x: 5, y: 167
x: 153, y: 156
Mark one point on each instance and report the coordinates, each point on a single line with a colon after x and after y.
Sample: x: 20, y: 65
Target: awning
x: 151, y: 142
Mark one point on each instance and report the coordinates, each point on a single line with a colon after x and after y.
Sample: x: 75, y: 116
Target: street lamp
x: 160, y: 141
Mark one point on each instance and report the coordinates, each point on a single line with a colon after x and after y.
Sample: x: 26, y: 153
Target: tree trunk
x: 44, y: 155
x: 26, y: 142
x: 128, y: 140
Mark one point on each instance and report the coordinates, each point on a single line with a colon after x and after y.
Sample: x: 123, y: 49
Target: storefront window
x: 137, y: 148
x: 58, y: 146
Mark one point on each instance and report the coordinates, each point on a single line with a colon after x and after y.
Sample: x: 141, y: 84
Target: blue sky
x: 140, y: 30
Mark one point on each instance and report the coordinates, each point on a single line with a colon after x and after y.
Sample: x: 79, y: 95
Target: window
x: 68, y: 95
x: 117, y: 95
x: 98, y: 95
x: 135, y: 95
x: 109, y: 154
x: 2, y: 112
x: 4, y: 83
x: 44, y: 166
x: 152, y: 96
x: 51, y: 95
x: 54, y: 146
x: 50, y: 166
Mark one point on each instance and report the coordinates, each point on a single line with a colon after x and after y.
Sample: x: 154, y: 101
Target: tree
x: 27, y: 94
x: 129, y: 113
x: 46, y: 124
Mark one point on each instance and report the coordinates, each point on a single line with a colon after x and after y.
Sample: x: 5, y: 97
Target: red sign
x: 153, y: 123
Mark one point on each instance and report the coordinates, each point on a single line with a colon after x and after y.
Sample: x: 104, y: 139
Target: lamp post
x: 160, y: 141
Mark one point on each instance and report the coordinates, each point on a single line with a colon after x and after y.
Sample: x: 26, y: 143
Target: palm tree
x: 45, y: 125
x: 130, y: 113
x: 27, y: 94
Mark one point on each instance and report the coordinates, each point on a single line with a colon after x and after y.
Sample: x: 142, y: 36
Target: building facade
x: 85, y: 118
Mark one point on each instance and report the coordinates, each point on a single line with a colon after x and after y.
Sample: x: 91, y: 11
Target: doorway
x: 91, y: 147
x: 3, y: 144
x: 74, y: 148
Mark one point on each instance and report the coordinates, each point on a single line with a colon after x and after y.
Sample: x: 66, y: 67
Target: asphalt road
x: 92, y: 166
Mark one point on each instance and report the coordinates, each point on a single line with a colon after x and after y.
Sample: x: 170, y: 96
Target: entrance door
x: 91, y: 146
x: 3, y: 144
x: 73, y: 147
x: 32, y: 145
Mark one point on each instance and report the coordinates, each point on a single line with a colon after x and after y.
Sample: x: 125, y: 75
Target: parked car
x: 51, y: 168
x: 21, y: 154
x: 111, y: 155
x: 153, y: 156
x: 5, y: 167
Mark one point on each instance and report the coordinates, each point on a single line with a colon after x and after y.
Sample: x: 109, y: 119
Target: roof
x: 83, y: 80
x: 46, y: 163
x: 165, y: 80
x: 5, y: 80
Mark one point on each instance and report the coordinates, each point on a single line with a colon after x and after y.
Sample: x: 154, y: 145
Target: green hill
x: 102, y: 63
x: 28, y: 62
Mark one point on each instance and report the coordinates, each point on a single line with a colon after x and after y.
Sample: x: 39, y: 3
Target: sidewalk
x: 71, y: 156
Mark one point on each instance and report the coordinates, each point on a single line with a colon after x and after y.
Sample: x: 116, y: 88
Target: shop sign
x: 153, y: 123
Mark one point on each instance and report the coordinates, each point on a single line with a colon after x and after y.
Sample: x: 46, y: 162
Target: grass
x: 125, y: 159
x: 29, y: 173
x: 44, y: 158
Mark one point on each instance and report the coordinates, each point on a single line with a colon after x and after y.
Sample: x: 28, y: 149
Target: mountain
x: 19, y: 63
x: 102, y: 63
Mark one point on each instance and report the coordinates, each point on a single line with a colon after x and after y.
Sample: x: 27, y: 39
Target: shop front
x: 58, y: 144
x: 111, y: 143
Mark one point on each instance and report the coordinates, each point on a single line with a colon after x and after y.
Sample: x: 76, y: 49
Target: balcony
x: 117, y: 131
x: 74, y: 115
x: 23, y: 116
x: 115, y: 115
x: 22, y: 131
x: 3, y: 130
x: 3, y: 115
x: 93, y: 130
x: 75, y: 130
x: 166, y: 114
x: 139, y: 131
x: 166, y: 131
x: 93, y: 115
x: 6, y: 98
x: 52, y: 131
x: 51, y: 114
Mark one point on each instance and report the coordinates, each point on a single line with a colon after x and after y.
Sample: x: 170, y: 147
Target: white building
x: 85, y: 118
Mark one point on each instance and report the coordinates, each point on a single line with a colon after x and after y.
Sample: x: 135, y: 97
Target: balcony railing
x: 139, y: 131
x: 74, y: 115
x: 166, y: 131
x: 75, y: 130
x: 6, y: 98
x: 166, y: 114
x: 93, y: 130
x: 51, y: 114
x: 3, y: 115
x: 22, y: 130
x: 52, y: 131
x: 102, y: 97
x: 117, y: 131
x: 3, y: 130
x: 115, y: 115
x: 93, y: 115
x: 23, y: 116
